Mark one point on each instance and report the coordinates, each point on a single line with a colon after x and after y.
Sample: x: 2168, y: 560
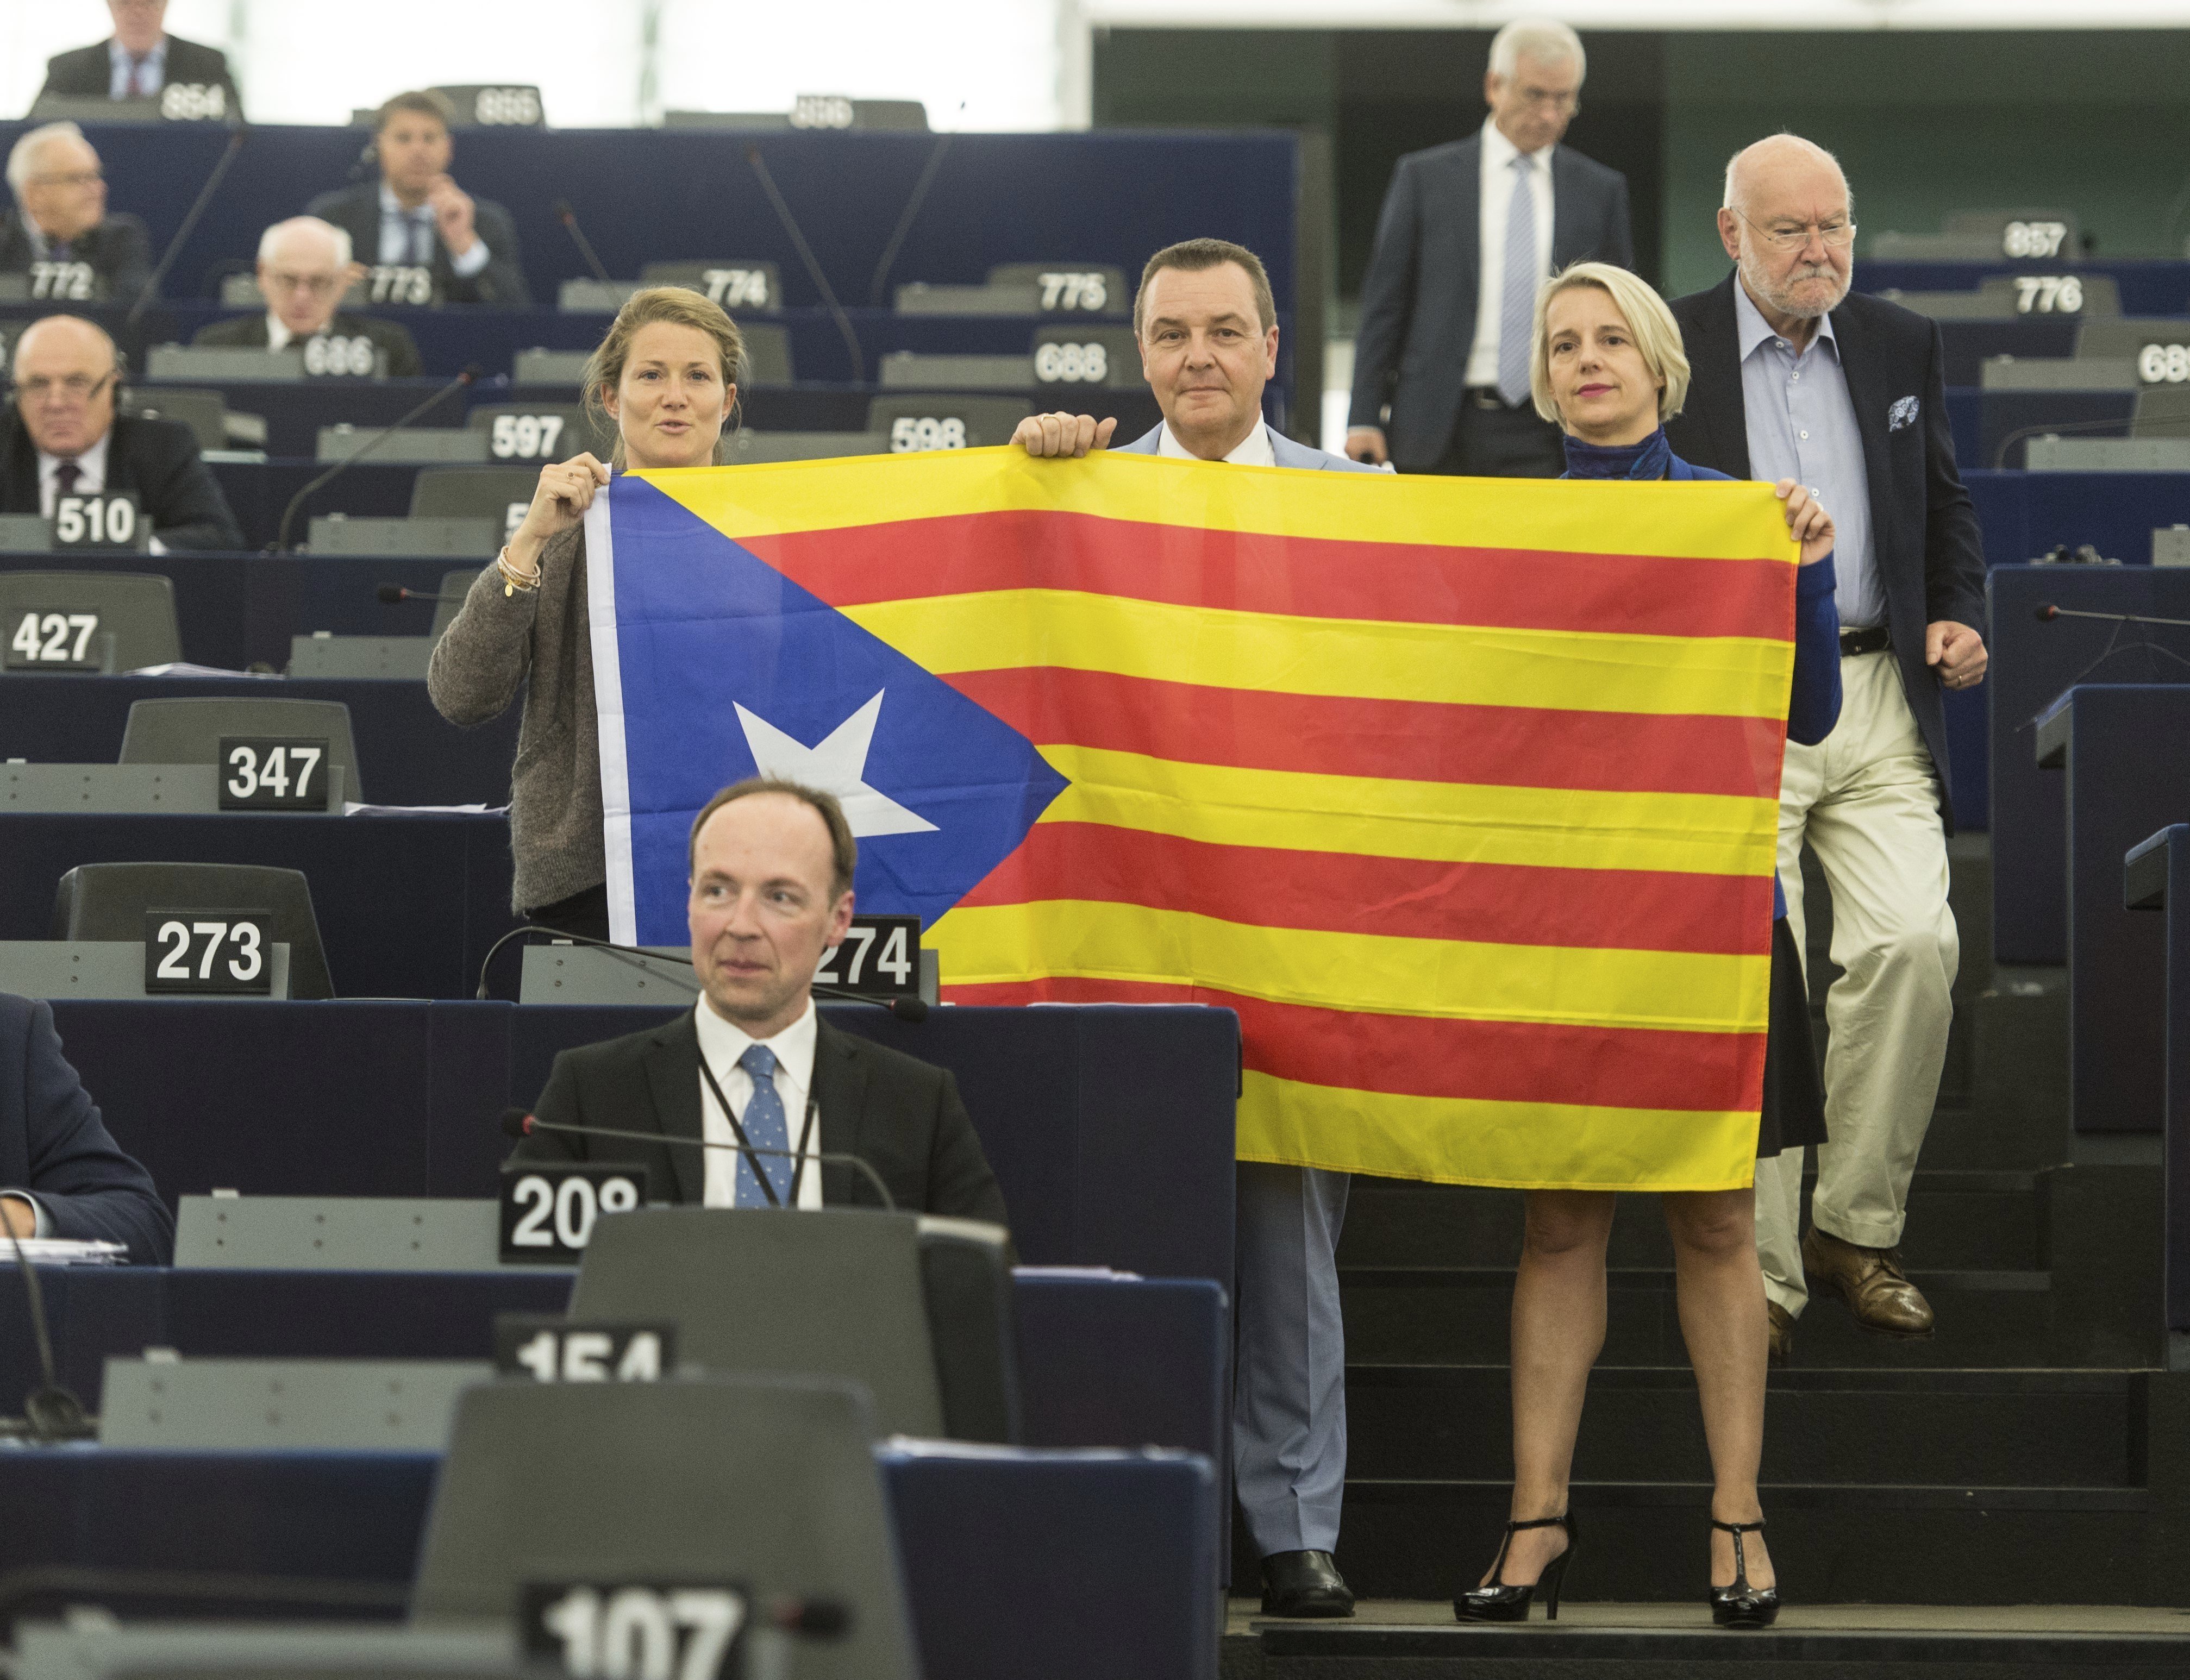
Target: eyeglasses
x: 1837, y: 235
x: 74, y: 178
x: 1568, y: 103
x: 317, y: 285
x: 77, y: 387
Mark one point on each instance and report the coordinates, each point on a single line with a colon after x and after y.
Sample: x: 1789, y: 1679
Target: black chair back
x: 108, y: 901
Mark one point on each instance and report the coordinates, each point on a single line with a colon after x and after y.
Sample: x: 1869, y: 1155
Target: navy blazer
x: 356, y: 210
x: 1418, y: 299
x: 157, y: 458
x: 55, y: 1150
x: 1923, y: 529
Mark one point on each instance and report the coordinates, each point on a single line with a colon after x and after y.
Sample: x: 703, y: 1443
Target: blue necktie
x: 764, y: 1130
x: 1516, y: 314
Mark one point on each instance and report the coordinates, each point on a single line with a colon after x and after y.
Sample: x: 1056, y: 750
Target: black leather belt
x: 1877, y: 639
x: 1485, y: 397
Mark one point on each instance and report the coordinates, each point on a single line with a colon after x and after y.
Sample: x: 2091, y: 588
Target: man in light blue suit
x: 1208, y: 332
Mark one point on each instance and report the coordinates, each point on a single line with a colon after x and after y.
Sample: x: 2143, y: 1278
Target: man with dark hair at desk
x: 1208, y: 331
x: 139, y: 59
x: 58, y: 220
x: 62, y: 437
x: 61, y: 1174
x: 304, y: 270
x: 753, y: 1064
x: 415, y: 216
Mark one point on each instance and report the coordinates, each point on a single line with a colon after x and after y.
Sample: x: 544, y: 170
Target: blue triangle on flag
x: 705, y: 628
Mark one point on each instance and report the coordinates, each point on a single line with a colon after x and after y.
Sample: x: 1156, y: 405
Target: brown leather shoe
x: 1870, y: 1281
x: 1779, y: 1332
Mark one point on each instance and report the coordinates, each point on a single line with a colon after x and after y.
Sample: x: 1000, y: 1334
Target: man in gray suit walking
x: 1208, y: 332
x: 1468, y: 233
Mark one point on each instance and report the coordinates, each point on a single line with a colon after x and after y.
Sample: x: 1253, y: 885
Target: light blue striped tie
x: 1517, y: 315
x: 764, y: 1130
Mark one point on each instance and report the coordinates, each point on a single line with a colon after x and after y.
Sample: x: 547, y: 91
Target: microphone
x: 2046, y: 612
x: 2150, y: 423
x: 912, y: 205
x: 50, y: 1411
x: 568, y: 219
x: 281, y: 542
x: 813, y: 266
x: 151, y: 289
x: 905, y: 1008
x: 394, y: 594
x: 518, y: 1123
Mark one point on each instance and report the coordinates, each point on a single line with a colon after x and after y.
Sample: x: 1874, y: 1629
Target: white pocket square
x: 1903, y: 413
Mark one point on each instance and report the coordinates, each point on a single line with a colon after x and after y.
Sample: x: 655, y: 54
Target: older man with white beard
x: 1795, y: 377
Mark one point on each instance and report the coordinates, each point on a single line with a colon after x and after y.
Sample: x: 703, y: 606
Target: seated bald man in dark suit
x: 304, y: 270
x: 61, y: 1174
x: 753, y: 1064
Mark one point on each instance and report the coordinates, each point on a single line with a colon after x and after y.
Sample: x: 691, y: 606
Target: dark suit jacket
x: 157, y: 458
x: 1418, y: 299
x: 54, y: 1148
x: 118, y: 249
x: 901, y: 1116
x: 87, y: 73
x: 357, y: 210
x: 1924, y: 529
x: 249, y: 332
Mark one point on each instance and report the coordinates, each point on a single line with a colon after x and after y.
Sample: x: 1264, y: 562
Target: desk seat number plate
x: 635, y: 1630
x: 548, y: 1207
x: 273, y: 773
x: 221, y: 953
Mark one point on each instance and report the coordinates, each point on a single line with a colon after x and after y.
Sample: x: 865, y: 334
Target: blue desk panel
x: 1109, y: 1127
x: 2128, y: 773
x: 2032, y: 662
x: 408, y: 753
x: 1062, y: 1565
x: 2173, y: 1009
x: 406, y: 905
x: 2026, y: 515
x: 1969, y: 344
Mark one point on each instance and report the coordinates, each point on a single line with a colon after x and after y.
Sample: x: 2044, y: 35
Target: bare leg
x: 1559, y: 1331
x: 1721, y: 1290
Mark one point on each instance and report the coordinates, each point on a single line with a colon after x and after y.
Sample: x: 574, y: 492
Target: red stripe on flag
x: 1419, y: 1056
x: 1410, y: 741
x: 1313, y: 577
x: 1399, y: 898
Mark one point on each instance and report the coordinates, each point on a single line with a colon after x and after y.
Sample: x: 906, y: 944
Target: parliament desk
x: 1109, y: 1127
x: 2156, y: 877
x: 1984, y: 421
x: 408, y: 753
x: 2147, y: 286
x: 407, y: 904
x: 1067, y: 1565
x: 2124, y: 750
x: 2025, y: 514
x: 2033, y: 663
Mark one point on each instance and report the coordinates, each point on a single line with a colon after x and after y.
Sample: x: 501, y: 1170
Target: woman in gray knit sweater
x: 665, y: 375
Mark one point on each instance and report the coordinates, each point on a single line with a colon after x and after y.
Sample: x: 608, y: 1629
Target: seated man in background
x: 58, y: 232
x: 754, y: 1064
x: 139, y: 59
x: 415, y: 216
x: 304, y: 267
x: 62, y: 437
x: 61, y: 1175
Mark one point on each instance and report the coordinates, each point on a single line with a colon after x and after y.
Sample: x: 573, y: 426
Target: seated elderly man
x: 61, y: 1172
x: 61, y: 436
x: 304, y: 270
x: 58, y: 233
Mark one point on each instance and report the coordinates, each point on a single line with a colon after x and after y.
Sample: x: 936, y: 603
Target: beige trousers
x: 1866, y: 798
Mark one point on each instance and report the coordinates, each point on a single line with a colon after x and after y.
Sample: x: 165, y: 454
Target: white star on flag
x: 839, y: 766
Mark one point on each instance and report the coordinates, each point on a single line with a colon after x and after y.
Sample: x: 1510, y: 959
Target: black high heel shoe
x: 1498, y: 1602
x: 1742, y: 1605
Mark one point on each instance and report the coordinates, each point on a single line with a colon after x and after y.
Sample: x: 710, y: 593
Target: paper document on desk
x: 68, y: 1252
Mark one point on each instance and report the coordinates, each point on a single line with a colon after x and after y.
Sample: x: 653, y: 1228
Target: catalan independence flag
x: 1463, y: 792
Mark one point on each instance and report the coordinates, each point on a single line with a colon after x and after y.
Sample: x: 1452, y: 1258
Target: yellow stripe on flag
x: 1462, y: 665
x: 1526, y: 1145
x: 1441, y: 821
x: 1699, y: 521
x: 1679, y: 991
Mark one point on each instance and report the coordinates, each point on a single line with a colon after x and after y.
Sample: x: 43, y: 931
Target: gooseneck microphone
x: 151, y: 289
x: 813, y: 265
x: 633, y: 957
x: 568, y: 219
x: 2046, y: 612
x: 518, y: 1123
x: 393, y: 594
x: 280, y: 543
x: 50, y: 1412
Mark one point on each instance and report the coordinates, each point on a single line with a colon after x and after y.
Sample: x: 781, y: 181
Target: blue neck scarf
x: 1648, y: 459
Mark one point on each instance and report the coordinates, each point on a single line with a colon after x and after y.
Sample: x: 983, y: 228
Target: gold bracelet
x: 512, y: 579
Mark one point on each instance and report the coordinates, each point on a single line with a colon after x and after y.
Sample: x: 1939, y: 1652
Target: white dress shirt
x: 118, y: 68
x: 1497, y: 196
x: 277, y: 332
x: 721, y: 1044
x: 90, y: 474
x: 396, y: 224
x: 1254, y: 449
